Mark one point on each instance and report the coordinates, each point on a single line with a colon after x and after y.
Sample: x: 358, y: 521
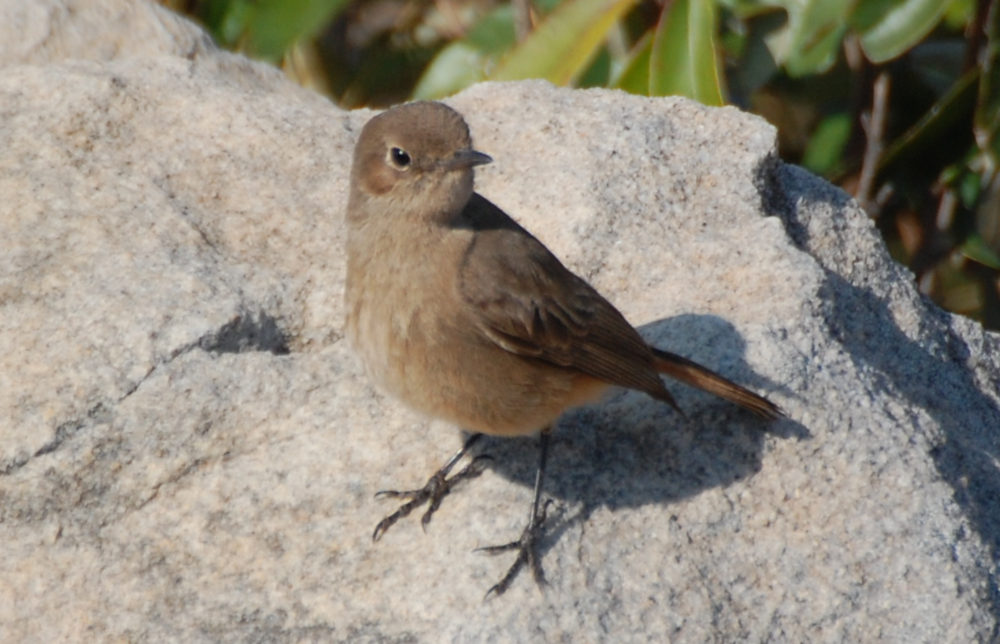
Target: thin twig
x: 522, y: 18
x: 874, y: 126
x: 974, y: 32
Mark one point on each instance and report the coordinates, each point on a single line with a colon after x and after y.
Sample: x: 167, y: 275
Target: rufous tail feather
x: 694, y: 374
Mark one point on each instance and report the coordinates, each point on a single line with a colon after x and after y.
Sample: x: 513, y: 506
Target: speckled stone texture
x: 189, y: 450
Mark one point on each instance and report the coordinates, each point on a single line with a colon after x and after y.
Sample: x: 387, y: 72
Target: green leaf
x: 228, y: 20
x: 969, y: 187
x: 562, y: 46
x: 598, y: 72
x: 826, y: 146
x: 979, y: 251
x: 277, y: 24
x: 466, y: 61
x: 809, y: 42
x: 959, y: 13
x: 494, y: 32
x: 634, y: 78
x: 887, y: 28
x: 683, y: 59
x: 454, y: 68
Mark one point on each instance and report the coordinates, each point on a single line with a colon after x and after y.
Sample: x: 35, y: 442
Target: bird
x: 462, y: 314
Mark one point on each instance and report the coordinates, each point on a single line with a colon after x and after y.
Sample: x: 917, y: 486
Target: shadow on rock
x: 631, y: 450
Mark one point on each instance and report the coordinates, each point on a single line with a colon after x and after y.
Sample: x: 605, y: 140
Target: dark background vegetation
x: 896, y: 101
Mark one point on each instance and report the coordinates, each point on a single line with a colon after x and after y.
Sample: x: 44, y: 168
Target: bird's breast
x: 422, y: 342
x: 400, y: 294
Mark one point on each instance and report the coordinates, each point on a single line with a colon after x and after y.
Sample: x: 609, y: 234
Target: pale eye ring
x: 399, y: 157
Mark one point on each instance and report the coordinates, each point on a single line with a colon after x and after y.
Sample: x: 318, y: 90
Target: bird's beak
x: 467, y: 159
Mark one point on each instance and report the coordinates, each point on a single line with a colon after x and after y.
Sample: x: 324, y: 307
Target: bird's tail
x: 698, y: 376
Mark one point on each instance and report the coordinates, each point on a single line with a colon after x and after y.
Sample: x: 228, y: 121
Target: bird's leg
x: 527, y: 544
x: 434, y: 490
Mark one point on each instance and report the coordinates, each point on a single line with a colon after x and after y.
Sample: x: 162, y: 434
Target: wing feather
x: 528, y: 303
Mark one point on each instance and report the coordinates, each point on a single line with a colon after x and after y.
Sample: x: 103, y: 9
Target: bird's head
x: 415, y: 160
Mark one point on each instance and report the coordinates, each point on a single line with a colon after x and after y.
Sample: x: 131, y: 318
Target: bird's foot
x: 437, y: 487
x: 527, y: 553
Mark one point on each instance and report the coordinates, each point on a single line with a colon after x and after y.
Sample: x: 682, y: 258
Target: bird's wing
x: 528, y: 303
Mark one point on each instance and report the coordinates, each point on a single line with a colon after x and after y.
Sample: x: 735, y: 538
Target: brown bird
x: 465, y: 316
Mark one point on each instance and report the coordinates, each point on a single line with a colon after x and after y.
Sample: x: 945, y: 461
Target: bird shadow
x: 631, y: 450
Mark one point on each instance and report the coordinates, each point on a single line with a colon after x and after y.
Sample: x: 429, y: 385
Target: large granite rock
x: 188, y: 450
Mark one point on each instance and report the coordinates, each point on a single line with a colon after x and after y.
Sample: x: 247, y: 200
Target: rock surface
x: 188, y: 450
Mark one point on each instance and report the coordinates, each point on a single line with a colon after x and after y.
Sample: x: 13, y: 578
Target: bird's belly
x: 496, y: 392
x: 449, y: 370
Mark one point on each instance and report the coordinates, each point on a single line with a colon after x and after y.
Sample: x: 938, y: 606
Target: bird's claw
x: 437, y: 487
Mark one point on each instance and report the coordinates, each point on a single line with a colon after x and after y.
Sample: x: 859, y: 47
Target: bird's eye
x: 399, y: 157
